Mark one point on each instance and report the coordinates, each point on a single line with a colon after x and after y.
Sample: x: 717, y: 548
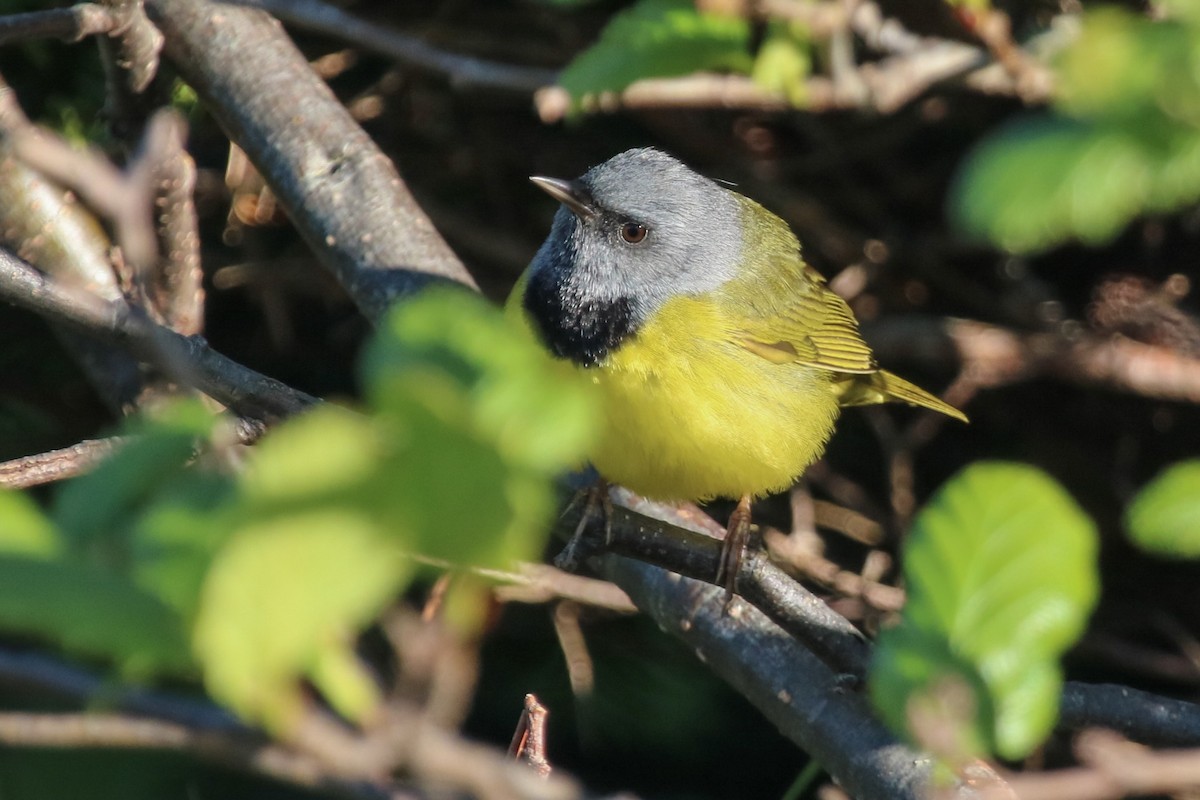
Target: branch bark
x: 188, y: 359
x: 341, y: 191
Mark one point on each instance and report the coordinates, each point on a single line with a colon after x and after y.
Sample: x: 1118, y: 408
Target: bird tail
x: 885, y: 387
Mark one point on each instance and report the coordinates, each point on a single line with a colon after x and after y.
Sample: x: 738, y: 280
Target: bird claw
x: 733, y: 548
x: 582, y: 544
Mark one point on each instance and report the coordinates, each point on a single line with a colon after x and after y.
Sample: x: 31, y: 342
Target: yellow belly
x: 690, y: 415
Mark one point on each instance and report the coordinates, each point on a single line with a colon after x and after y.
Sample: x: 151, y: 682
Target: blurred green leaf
x: 970, y: 5
x: 319, y: 455
x: 481, y: 419
x: 471, y: 420
x: 24, y: 529
x: 1164, y: 518
x: 1125, y: 140
x: 1001, y: 577
x: 784, y: 62
x: 284, y: 601
x: 176, y: 536
x: 97, y: 511
x: 90, y: 612
x: 1125, y: 69
x: 1038, y: 180
x: 658, y: 39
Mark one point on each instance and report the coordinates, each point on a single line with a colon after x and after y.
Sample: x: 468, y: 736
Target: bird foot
x: 733, y: 548
x: 583, y: 543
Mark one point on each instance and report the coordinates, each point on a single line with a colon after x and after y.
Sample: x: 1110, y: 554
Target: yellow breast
x: 690, y: 415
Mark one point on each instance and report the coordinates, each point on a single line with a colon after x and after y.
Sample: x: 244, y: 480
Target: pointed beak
x: 571, y: 194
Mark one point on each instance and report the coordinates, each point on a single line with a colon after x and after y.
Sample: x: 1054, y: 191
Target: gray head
x: 633, y: 232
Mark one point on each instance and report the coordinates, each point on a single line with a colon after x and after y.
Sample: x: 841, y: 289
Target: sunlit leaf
x: 1125, y: 140
x: 92, y: 613
x: 326, y: 452
x: 95, y: 512
x: 1001, y: 576
x: 783, y: 62
x: 1038, y: 182
x: 283, y: 602
x: 177, y: 534
x: 480, y: 419
x: 24, y: 528
x: 1164, y: 518
x: 658, y: 38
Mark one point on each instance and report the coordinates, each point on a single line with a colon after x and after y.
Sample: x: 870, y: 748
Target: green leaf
x: 1001, y: 577
x: 92, y: 613
x: 1125, y: 69
x: 784, y: 62
x: 175, y: 538
x: 658, y: 38
x: 477, y: 419
x: 24, y: 529
x: 1040, y: 181
x: 284, y: 601
x: 321, y: 454
x: 1164, y: 518
x: 1126, y: 140
x: 97, y: 511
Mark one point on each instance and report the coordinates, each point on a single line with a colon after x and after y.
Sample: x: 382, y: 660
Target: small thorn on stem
x: 529, y: 740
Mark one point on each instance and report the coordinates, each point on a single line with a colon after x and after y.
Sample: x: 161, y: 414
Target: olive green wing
x: 815, y: 327
x: 807, y: 324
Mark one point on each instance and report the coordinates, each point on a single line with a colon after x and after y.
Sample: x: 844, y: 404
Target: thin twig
x: 343, y: 194
x: 188, y: 359
x: 72, y: 23
x: 1113, y: 768
x: 178, y: 291
x: 993, y: 356
x: 238, y: 749
x: 541, y: 583
x: 580, y: 670
x: 462, y: 71
x: 140, y: 42
x: 57, y: 465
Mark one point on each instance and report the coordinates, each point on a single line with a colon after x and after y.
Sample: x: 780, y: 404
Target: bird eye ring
x: 633, y: 232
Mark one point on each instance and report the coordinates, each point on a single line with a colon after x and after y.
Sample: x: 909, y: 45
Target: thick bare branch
x: 343, y: 194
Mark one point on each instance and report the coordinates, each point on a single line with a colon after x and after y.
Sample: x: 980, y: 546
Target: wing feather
x: 809, y: 324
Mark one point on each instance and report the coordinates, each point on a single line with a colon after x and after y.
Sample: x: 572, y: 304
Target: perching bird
x: 722, y: 358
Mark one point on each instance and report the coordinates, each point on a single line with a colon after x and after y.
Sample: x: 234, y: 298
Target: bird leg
x: 733, y: 548
x: 582, y: 544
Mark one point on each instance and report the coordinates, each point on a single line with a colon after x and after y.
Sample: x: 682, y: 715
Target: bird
x: 721, y: 357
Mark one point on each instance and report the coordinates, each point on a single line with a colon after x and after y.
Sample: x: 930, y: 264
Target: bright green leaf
x: 93, y: 613
x: 1038, y: 182
x: 658, y: 39
x: 1164, y: 518
x: 24, y: 529
x: 283, y: 602
x: 783, y: 63
x: 1001, y: 577
x: 96, y: 511
x: 325, y: 452
x: 479, y: 419
x: 1125, y: 141
x: 458, y: 356
x: 175, y: 537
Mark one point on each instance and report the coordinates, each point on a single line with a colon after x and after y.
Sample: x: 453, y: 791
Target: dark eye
x: 633, y: 232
